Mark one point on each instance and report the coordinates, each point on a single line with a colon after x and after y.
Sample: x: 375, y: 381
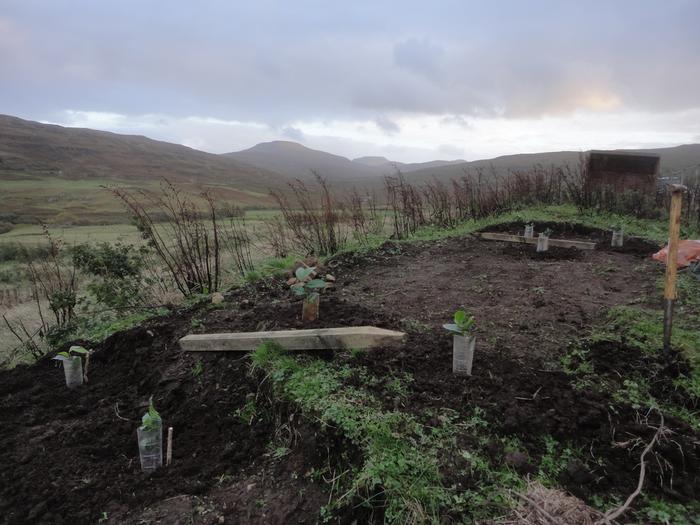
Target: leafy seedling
x: 463, y: 324
x: 72, y: 352
x: 547, y: 232
x: 305, y: 285
x: 151, y: 419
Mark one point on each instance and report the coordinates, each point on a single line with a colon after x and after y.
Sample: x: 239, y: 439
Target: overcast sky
x: 413, y: 81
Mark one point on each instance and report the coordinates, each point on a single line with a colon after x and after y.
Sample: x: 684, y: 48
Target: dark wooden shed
x: 623, y: 171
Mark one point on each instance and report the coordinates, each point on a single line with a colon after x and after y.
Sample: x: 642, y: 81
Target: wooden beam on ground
x: 316, y: 339
x: 561, y: 243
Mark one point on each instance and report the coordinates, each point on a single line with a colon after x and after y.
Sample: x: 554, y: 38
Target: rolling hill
x: 386, y: 166
x: 684, y: 158
x: 299, y: 162
x: 55, y: 173
x: 58, y: 174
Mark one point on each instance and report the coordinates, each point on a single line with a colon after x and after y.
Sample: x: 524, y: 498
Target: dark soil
x: 68, y: 456
x: 578, y: 232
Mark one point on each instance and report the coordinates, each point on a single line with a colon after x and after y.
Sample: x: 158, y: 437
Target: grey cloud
x: 451, y: 150
x: 293, y: 134
x: 275, y: 62
x: 420, y: 56
x: 388, y: 125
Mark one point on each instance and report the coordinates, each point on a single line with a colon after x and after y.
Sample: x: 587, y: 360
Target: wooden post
x: 169, y: 449
x: 670, y: 293
x: 85, y: 368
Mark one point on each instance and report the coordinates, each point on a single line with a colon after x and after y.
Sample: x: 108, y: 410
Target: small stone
x: 250, y: 487
x: 291, y: 281
x: 217, y: 298
x: 330, y: 278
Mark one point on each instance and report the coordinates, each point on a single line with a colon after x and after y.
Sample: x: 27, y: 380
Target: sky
x: 412, y: 81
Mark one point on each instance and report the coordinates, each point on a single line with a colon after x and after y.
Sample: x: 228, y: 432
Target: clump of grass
x: 399, y: 471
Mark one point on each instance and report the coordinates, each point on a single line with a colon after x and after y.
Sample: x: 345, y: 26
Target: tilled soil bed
x: 71, y: 456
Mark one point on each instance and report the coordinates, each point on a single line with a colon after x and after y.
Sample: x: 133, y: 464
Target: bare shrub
x: 273, y: 233
x: 440, y: 202
x: 28, y: 344
x: 691, y: 201
x: 188, y: 248
x: 316, y: 220
x: 364, y: 215
x: 53, y: 279
x: 405, y: 204
x: 235, y: 238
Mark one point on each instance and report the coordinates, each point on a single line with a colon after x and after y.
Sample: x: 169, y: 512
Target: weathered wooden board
x: 562, y: 243
x: 317, y: 339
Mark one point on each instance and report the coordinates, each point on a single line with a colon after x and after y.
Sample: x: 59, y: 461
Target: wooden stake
x: 85, y: 368
x: 670, y: 293
x: 169, y: 449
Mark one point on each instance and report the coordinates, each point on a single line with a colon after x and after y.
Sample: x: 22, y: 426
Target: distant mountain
x: 684, y: 158
x: 299, y: 162
x: 387, y: 167
x: 56, y: 174
x: 374, y: 162
x: 48, y: 171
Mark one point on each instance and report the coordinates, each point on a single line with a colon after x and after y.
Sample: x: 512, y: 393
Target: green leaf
x: 78, y: 350
x: 299, y: 289
x: 460, y: 317
x: 151, y: 418
x: 452, y: 328
x: 316, y: 283
x: 62, y: 356
x: 302, y: 273
x: 152, y: 412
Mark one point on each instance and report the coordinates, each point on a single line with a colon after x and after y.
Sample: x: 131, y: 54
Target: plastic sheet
x: 688, y: 251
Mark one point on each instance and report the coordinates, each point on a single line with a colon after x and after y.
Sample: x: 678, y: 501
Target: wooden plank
x: 561, y: 243
x: 316, y: 339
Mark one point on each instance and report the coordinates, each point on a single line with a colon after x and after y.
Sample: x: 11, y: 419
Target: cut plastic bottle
x: 73, y: 370
x: 151, y: 446
x: 617, y: 238
x: 529, y: 231
x: 542, y: 243
x: 463, y: 354
x: 309, y: 310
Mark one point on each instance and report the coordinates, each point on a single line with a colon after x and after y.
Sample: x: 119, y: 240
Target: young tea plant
x: 72, y: 352
x: 151, y: 419
x: 305, y: 286
x: 308, y: 288
x: 73, y: 365
x: 463, y: 343
x: 150, y: 439
x: 463, y: 324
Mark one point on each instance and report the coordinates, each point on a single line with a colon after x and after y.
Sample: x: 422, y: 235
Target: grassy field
x: 33, y: 234
x: 58, y: 200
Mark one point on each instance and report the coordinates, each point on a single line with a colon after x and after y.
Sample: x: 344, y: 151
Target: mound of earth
x: 71, y: 456
x: 579, y: 232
